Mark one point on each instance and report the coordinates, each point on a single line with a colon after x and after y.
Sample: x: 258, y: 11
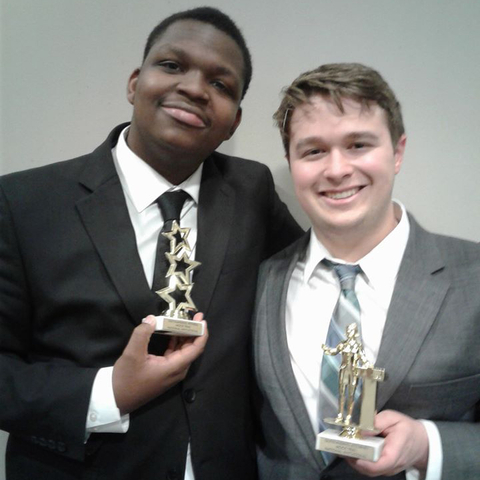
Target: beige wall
x: 65, y: 63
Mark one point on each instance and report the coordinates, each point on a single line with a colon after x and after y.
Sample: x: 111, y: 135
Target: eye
x: 169, y: 65
x: 313, y: 153
x: 219, y: 85
x: 223, y: 88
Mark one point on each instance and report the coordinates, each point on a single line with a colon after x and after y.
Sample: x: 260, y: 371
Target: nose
x: 337, y: 166
x: 193, y: 85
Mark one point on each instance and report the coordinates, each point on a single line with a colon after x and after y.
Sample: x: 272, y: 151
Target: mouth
x: 186, y: 114
x: 340, y: 195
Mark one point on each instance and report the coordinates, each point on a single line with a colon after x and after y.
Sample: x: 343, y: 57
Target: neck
x: 351, y: 246
x: 350, y: 251
x: 173, y: 165
x: 175, y: 175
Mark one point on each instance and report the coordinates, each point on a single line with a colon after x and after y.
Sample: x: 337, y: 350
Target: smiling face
x: 185, y: 97
x: 343, y: 167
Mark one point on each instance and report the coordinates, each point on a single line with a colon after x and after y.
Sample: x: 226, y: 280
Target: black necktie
x: 170, y: 204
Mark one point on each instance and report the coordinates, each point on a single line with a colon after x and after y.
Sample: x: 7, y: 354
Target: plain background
x: 65, y: 65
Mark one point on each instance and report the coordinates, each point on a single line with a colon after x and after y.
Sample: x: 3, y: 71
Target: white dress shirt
x: 312, y: 296
x: 142, y: 185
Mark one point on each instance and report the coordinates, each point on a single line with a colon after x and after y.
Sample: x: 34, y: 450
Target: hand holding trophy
x: 355, y: 365
x: 177, y: 318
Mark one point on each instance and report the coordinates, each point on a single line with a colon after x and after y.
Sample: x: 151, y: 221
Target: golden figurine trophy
x: 178, y: 318
x: 348, y: 441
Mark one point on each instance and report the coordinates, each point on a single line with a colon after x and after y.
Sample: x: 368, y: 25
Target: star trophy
x: 348, y: 441
x: 178, y: 318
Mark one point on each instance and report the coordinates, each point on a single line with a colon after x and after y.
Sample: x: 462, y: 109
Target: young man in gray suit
x: 80, y: 395
x: 417, y: 295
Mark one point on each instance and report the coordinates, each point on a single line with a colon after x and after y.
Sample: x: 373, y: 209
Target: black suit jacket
x: 72, y: 288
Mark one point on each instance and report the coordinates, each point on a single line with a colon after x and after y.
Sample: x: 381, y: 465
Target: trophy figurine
x: 177, y: 319
x: 349, y: 441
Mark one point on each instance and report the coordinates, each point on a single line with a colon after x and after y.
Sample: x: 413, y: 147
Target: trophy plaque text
x: 177, y: 319
x: 348, y: 441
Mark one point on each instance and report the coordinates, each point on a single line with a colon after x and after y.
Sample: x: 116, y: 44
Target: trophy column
x: 348, y: 441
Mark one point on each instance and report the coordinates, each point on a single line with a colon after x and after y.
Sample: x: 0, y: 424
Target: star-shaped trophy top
x: 178, y: 297
x: 181, y: 266
x: 178, y: 292
x: 178, y: 238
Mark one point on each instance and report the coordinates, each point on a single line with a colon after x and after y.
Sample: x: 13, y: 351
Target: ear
x: 132, y: 85
x: 236, y: 123
x: 399, y: 152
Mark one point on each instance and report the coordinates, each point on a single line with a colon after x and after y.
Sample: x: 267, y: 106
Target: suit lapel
x: 105, y: 216
x: 418, y: 295
x: 277, y: 288
x: 215, y: 223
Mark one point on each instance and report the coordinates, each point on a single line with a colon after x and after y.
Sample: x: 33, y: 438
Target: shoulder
x: 236, y: 167
x: 55, y: 177
x: 285, y: 257
x: 457, y: 254
x: 460, y: 256
x: 28, y: 187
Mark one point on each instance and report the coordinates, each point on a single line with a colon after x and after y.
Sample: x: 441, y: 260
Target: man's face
x: 343, y: 168
x: 185, y: 97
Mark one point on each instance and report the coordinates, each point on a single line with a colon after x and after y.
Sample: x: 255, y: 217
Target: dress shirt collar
x: 381, y: 263
x: 142, y: 183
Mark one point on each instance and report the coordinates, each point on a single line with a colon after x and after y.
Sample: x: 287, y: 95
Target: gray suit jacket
x: 430, y: 350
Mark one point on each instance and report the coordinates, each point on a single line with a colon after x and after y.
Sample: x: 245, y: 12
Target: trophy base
x: 367, y: 448
x: 179, y: 327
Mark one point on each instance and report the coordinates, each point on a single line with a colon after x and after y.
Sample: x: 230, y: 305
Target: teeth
x: 340, y: 195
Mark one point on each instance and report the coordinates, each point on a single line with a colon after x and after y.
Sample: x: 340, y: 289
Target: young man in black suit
x: 77, y: 255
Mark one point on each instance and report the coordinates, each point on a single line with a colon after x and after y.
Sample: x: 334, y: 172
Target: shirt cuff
x: 103, y: 415
x: 435, y: 455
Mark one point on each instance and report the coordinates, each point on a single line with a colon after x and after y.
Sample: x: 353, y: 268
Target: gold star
x: 178, y: 238
x: 186, y: 266
x: 178, y: 297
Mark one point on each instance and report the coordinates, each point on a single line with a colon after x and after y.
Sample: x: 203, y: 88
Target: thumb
x: 138, y: 343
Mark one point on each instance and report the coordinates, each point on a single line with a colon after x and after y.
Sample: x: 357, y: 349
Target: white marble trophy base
x: 178, y: 327
x: 367, y: 448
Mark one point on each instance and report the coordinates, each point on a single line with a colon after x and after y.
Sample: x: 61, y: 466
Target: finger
x: 387, y: 419
x: 202, y: 341
x: 389, y: 462
x: 190, y: 350
x: 172, y: 345
x: 140, y: 337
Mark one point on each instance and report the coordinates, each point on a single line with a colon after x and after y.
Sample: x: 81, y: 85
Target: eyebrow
x: 184, y: 55
x: 366, y: 135
x: 307, y: 141
x: 362, y: 135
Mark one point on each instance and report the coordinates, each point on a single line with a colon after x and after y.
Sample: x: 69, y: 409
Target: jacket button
x: 189, y: 395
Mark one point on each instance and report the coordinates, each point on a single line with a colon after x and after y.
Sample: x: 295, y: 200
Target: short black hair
x: 217, y: 19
